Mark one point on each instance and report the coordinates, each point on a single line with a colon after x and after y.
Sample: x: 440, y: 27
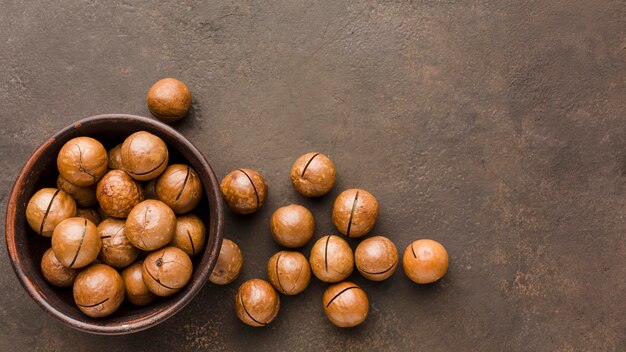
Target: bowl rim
x: 214, y: 199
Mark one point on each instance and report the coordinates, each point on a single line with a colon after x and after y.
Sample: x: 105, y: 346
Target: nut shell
x: 89, y: 214
x: 289, y: 272
x: 83, y: 196
x: 244, y: 190
x: 292, y: 226
x: 136, y: 291
x: 190, y: 234
x: 331, y: 259
x: 313, y: 174
x: 150, y: 225
x: 54, y: 272
x: 256, y: 303
x: 355, y: 212
x: 117, y: 251
x: 229, y: 264
x: 47, y: 208
x: 82, y: 161
x: 144, y: 156
x: 345, y: 304
x: 169, y: 100
x: 118, y: 193
x: 376, y: 258
x: 425, y: 261
x: 76, y: 243
x: 98, y: 290
x: 166, y: 271
x: 115, y: 158
x: 179, y: 187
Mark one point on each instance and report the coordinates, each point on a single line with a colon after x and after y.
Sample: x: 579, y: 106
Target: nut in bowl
x: 26, y: 246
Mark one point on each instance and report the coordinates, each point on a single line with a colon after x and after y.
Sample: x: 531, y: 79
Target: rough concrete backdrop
x: 495, y: 127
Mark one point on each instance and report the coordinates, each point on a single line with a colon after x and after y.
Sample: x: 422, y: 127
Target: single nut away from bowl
x: 244, y: 190
x: 169, y: 100
x: 229, y: 264
x: 331, y: 259
x: 345, y: 304
x: 292, y: 226
x: 256, y: 303
x: 376, y: 258
x: 289, y: 272
x: 355, y: 212
x: 425, y: 261
x: 313, y: 174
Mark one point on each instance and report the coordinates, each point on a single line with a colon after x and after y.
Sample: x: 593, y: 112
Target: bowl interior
x: 26, y: 247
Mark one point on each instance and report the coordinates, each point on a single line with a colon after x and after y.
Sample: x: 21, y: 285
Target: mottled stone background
x: 495, y: 127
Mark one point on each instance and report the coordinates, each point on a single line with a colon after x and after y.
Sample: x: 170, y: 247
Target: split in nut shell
x: 122, y: 223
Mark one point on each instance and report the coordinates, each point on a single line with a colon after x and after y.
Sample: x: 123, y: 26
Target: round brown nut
x: 313, y: 174
x: 150, y: 225
x: 98, y: 291
x: 189, y: 235
x: 331, y: 259
x: 137, y: 292
x: 355, y: 212
x: 115, y: 158
x: 292, y: 226
x: 244, y: 190
x: 82, y: 161
x: 345, y: 304
x: 376, y: 258
x: 54, y: 272
x: 166, y: 271
x: 144, y: 156
x: 47, y: 208
x: 75, y: 242
x: 425, y: 261
x: 83, y: 196
x: 256, y: 303
x: 179, y: 187
x: 289, y: 272
x: 118, y: 193
x: 117, y: 251
x: 229, y: 264
x: 169, y: 100
x: 89, y: 214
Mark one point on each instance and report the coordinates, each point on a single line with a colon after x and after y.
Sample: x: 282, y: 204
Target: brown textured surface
x: 495, y: 127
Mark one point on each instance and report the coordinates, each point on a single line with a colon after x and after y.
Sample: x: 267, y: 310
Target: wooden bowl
x: 26, y: 247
